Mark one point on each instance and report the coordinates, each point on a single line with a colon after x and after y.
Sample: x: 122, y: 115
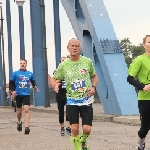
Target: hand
x: 36, y: 88
x: 91, y: 91
x: 56, y: 87
x: 14, y: 94
x: 147, y: 87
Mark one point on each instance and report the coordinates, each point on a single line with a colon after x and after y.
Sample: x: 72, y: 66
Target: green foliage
x: 137, y: 50
x: 130, y: 51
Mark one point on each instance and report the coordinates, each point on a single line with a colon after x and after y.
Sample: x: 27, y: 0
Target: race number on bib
x: 22, y: 84
x: 78, y: 85
x: 63, y: 84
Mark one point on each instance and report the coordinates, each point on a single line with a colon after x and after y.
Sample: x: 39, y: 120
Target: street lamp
x: 21, y: 27
x: 19, y: 2
x: 3, y: 56
x: 47, y: 102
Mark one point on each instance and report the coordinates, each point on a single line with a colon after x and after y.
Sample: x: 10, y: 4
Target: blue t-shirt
x: 22, y: 81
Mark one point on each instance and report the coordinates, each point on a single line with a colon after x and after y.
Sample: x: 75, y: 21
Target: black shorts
x: 22, y: 99
x: 85, y: 112
x: 61, y: 104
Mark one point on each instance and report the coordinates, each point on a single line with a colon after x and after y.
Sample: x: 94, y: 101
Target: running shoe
x: 140, y: 149
x: 68, y: 131
x: 143, y: 147
x: 62, y: 133
x: 27, y: 130
x: 19, y: 127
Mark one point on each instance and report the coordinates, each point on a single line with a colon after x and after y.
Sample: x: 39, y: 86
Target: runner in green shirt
x: 81, y: 80
x: 139, y: 76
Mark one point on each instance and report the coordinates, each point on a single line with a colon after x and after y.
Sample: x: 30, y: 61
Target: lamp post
x: 8, y: 20
x: 3, y: 55
x: 1, y: 74
x: 21, y: 27
x: 47, y: 101
x: 57, y: 31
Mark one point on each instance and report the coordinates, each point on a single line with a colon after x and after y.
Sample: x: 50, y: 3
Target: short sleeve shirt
x: 22, y: 81
x: 140, y: 68
x: 77, y: 75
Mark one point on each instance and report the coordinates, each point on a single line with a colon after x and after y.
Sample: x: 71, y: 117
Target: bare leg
x: 68, y: 124
x: 61, y: 125
x: 26, y: 115
x: 75, y: 139
x: 19, y: 114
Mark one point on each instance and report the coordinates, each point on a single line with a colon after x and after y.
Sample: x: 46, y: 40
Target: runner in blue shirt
x: 19, y: 86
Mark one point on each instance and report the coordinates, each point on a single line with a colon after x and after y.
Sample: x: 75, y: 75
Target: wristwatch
x: 94, y: 86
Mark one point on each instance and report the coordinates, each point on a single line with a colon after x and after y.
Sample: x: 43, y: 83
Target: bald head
x: 73, y: 40
x: 74, y: 47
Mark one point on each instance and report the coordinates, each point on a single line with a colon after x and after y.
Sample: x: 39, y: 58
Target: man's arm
x: 12, y: 88
x: 32, y: 80
x: 33, y: 83
x: 94, y: 80
x: 53, y: 81
x: 35, y: 86
x: 12, y: 82
x: 11, y: 85
x: 91, y: 90
x: 55, y: 84
x: 58, y: 76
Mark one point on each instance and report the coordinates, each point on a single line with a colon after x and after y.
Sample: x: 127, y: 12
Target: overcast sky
x: 130, y: 18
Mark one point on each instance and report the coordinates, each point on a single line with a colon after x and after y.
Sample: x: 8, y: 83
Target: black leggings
x: 144, y: 109
x: 61, y: 104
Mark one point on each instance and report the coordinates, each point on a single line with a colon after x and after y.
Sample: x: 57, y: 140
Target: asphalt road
x: 45, y: 132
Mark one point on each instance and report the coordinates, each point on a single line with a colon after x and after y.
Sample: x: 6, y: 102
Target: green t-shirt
x: 77, y: 75
x: 140, y: 68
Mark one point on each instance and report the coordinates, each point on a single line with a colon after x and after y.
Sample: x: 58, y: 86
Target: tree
x: 126, y: 46
x: 130, y: 51
x: 137, y: 50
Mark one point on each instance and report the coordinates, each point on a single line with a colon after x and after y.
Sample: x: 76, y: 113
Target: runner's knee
x: 75, y: 129
x: 86, y: 129
x: 19, y: 110
x: 26, y: 110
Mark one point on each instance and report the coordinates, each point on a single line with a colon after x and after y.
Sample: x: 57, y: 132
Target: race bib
x: 78, y: 85
x: 63, y: 84
x: 22, y: 85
